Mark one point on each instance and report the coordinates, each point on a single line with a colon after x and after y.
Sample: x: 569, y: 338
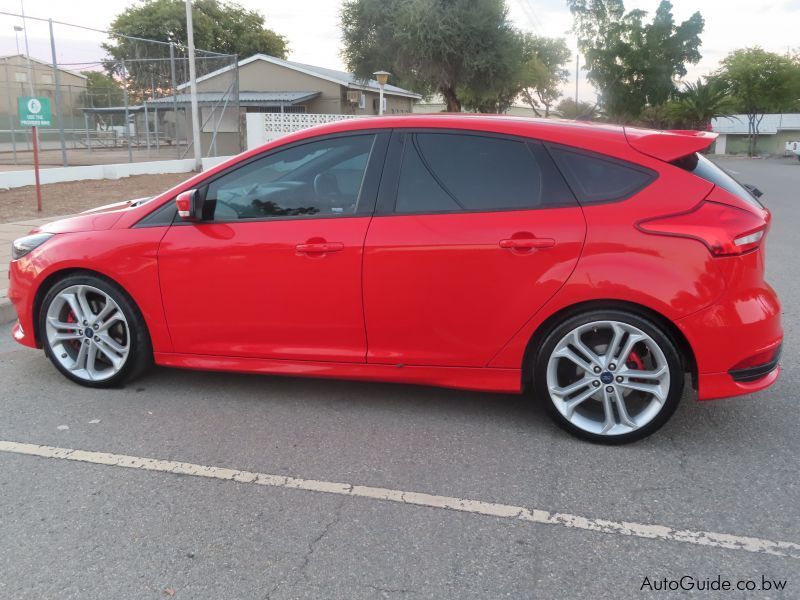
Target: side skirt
x: 467, y: 378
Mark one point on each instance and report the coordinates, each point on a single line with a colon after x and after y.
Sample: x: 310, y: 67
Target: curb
x: 7, y: 312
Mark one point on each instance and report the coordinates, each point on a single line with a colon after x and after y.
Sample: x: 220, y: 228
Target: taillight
x: 724, y: 229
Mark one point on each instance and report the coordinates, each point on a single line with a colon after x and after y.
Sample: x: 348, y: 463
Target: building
x: 14, y: 82
x: 270, y: 84
x: 775, y: 132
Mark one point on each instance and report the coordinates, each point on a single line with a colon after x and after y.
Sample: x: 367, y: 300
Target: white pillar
x: 198, y: 150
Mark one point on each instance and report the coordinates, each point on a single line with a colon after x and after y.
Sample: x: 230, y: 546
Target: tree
x: 102, y: 90
x: 582, y: 111
x: 222, y: 27
x: 465, y: 50
x: 543, y: 71
x: 700, y: 102
x: 760, y: 82
x: 631, y: 62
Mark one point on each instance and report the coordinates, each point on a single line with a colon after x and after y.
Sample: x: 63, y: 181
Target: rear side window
x: 596, y: 178
x: 699, y: 165
x: 449, y: 172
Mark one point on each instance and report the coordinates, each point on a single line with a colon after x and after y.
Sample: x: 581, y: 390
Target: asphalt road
x: 80, y: 530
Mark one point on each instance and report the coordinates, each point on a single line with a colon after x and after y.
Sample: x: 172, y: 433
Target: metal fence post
x: 146, y: 128
x: 59, y: 111
x: 174, y: 96
x: 238, y: 104
x: 88, y: 139
x: 127, y: 113
x: 11, y: 114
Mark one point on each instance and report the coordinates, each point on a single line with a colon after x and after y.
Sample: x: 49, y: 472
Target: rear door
x: 474, y: 233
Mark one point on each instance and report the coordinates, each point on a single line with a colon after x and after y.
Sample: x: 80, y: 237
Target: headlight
x: 21, y: 246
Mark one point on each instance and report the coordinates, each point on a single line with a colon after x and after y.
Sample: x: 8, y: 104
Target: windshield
x: 699, y: 165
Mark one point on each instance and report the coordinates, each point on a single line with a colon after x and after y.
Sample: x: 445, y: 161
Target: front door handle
x: 320, y: 247
x: 527, y: 243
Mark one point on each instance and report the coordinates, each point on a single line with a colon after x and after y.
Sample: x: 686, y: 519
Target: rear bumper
x: 754, y: 373
x: 712, y: 386
x: 745, y: 323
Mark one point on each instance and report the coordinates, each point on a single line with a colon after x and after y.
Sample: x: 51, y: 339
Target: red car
x: 594, y: 265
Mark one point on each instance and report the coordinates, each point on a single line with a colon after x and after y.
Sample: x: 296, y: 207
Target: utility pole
x: 174, y: 96
x: 198, y: 151
x: 59, y: 111
x: 34, y: 129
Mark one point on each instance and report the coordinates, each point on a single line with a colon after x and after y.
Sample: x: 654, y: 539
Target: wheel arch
x: 53, y: 278
x: 672, y: 330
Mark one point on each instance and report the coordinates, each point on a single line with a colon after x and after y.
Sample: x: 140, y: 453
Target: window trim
x: 387, y: 195
x: 369, y: 185
x: 573, y: 185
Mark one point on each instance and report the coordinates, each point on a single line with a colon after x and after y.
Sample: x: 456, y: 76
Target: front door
x: 274, y: 269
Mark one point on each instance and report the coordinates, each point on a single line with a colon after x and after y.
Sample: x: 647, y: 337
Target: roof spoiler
x: 668, y: 145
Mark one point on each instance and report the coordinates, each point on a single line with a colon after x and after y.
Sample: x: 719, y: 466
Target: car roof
x: 601, y: 137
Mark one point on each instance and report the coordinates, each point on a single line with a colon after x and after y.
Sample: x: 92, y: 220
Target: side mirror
x: 189, y: 206
x: 754, y: 190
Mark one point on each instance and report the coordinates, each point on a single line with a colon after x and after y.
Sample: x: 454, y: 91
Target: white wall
x: 265, y: 127
x: 720, y: 145
x: 15, y: 179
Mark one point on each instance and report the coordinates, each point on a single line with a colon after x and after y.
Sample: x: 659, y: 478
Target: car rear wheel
x: 92, y: 332
x: 609, y: 376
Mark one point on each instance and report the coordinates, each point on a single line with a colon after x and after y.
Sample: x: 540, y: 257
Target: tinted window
x: 594, y: 178
x: 444, y: 172
x: 320, y: 178
x: 702, y: 167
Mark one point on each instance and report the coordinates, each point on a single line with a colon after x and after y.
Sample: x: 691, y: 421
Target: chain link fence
x: 114, y: 98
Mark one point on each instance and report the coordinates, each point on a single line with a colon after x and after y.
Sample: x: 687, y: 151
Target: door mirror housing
x: 189, y: 205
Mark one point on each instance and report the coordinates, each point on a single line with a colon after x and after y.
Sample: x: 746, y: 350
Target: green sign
x: 34, y: 112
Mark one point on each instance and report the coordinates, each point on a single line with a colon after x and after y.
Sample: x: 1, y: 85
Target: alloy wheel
x: 87, y: 332
x: 608, y: 378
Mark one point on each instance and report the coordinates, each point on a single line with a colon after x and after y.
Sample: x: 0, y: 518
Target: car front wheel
x: 92, y: 332
x: 609, y: 376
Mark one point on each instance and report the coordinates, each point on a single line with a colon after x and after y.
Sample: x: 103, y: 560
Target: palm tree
x: 700, y: 102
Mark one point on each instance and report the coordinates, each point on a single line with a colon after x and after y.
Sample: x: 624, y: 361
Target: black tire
x: 140, y: 353
x: 662, y: 339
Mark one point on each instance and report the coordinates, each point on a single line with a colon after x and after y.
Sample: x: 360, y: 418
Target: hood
x: 95, y: 219
x: 117, y: 206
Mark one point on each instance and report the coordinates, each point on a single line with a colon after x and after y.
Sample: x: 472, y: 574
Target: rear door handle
x: 320, y: 247
x: 527, y: 243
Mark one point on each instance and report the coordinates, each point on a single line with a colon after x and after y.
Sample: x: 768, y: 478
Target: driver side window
x: 320, y: 178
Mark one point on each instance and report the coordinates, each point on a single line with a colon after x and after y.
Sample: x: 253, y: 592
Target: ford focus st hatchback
x: 597, y: 267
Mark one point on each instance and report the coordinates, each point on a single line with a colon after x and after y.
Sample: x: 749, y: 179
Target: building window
x: 375, y: 104
x: 46, y: 78
x: 20, y: 77
x: 277, y: 109
x: 362, y: 101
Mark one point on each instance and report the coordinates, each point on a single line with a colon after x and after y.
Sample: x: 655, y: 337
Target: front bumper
x: 21, y: 292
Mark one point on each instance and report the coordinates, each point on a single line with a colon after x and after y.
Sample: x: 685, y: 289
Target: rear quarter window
x: 595, y: 178
x: 699, y: 165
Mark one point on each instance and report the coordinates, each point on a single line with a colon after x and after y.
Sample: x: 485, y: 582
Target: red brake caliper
x: 635, y: 361
x: 71, y: 319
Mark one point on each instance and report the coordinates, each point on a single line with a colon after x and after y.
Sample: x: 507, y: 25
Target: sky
x: 311, y: 27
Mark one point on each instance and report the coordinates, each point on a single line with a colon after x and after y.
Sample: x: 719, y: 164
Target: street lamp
x: 382, y: 77
x: 17, y: 29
